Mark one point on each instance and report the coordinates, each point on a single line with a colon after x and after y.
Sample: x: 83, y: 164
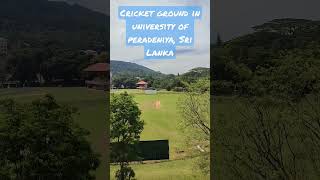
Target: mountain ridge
x: 125, y: 68
x: 122, y: 67
x: 35, y: 21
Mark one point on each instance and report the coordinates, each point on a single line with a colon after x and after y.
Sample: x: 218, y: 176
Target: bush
x: 179, y: 89
x: 125, y: 173
x: 222, y: 87
x: 41, y: 141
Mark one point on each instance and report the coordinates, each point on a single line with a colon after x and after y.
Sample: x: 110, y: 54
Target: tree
x: 41, y: 141
x: 271, y: 138
x: 295, y: 75
x: 101, y: 58
x: 286, y: 26
x: 2, y: 69
x: 195, y: 111
x: 126, y: 127
x: 219, y: 41
x: 307, y: 113
x: 195, y: 74
x: 127, y: 81
x: 266, y: 146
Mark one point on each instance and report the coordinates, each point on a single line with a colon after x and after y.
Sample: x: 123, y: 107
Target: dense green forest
x: 49, y: 38
x: 280, y: 56
x: 38, y: 23
x: 265, y: 84
x: 129, y: 74
x: 266, y: 99
x: 119, y: 68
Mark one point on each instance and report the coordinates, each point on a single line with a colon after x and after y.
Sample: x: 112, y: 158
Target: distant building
x: 98, y: 76
x: 3, y: 47
x: 142, y: 85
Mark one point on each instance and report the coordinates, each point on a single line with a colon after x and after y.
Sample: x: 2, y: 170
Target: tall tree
x: 219, y: 40
x: 126, y: 127
x: 195, y: 111
x: 41, y: 141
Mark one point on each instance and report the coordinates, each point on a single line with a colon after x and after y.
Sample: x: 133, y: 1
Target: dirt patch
x: 150, y: 105
x: 157, y: 104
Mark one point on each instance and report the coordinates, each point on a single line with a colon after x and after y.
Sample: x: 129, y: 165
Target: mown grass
x: 161, y: 123
x: 166, y: 170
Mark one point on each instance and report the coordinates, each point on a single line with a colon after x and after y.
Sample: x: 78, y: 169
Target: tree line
x: 271, y: 77
x: 169, y: 82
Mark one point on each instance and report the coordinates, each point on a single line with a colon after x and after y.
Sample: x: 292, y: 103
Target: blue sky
x: 187, y: 58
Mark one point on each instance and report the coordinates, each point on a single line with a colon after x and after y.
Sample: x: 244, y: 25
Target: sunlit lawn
x: 161, y: 115
x: 162, y: 122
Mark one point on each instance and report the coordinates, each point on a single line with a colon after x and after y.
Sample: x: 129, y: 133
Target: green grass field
x: 161, y: 116
x: 166, y: 170
x: 161, y: 123
x: 92, y: 112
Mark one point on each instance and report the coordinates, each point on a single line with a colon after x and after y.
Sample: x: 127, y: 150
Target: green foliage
x: 45, y: 25
x: 124, y: 81
x: 126, y: 124
x: 50, y: 44
x: 100, y: 58
x: 296, y: 74
x: 267, y: 138
x: 201, y: 86
x: 127, y: 75
x: 288, y: 26
x: 194, y: 108
x: 125, y: 129
x: 121, y: 68
x: 181, y: 164
x: 194, y: 74
x: 272, y: 132
x: 41, y: 141
x: 172, y: 82
x: 203, y: 163
x: 2, y: 68
x: 279, y: 58
x: 222, y: 87
x: 125, y: 172
x: 218, y: 40
x: 26, y: 64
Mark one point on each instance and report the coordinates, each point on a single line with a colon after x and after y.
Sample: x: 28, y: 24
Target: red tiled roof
x: 142, y: 83
x: 98, y: 67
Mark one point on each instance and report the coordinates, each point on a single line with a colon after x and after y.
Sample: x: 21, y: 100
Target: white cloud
x: 187, y: 58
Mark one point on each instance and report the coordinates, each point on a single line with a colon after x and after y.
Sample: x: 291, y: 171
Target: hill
x: 132, y: 69
x: 50, y: 35
x: 96, y: 5
x: 195, y: 74
x: 255, y: 63
x: 37, y: 22
x: 269, y: 41
x: 126, y: 74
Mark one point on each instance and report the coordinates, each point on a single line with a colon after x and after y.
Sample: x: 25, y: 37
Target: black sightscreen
x: 147, y: 150
x: 154, y: 150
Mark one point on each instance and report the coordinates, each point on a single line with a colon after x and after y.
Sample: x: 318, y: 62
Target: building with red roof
x: 98, y: 67
x: 142, y: 85
x: 98, y: 76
